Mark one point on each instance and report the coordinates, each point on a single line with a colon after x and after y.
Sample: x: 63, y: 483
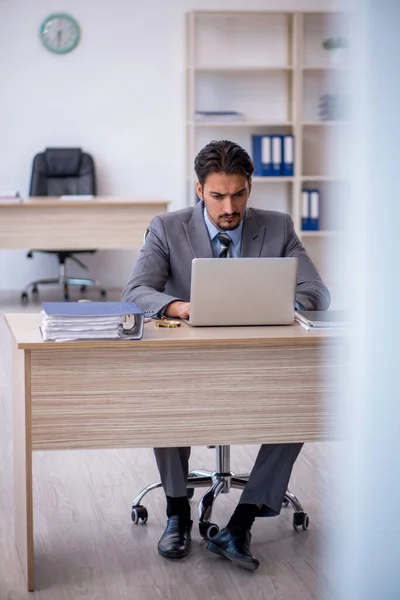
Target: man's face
x: 225, y: 196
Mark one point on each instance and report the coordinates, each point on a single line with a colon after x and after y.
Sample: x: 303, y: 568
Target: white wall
x: 120, y: 95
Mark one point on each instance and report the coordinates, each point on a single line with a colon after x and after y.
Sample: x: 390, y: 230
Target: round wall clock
x: 59, y: 33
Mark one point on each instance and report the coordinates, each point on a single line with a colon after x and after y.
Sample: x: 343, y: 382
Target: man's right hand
x: 178, y: 309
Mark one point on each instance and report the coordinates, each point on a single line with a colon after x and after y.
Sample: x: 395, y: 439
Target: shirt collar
x: 234, y: 234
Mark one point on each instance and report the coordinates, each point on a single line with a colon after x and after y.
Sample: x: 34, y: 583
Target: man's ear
x: 199, y: 190
x: 250, y: 184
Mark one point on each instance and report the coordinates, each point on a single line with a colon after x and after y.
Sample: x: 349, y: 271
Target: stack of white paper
x: 10, y: 197
x: 60, y: 329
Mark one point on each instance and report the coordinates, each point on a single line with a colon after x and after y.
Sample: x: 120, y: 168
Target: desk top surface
x: 38, y: 201
x: 24, y: 328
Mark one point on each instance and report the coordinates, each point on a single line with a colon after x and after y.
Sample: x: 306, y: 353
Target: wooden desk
x: 102, y: 223
x: 176, y: 387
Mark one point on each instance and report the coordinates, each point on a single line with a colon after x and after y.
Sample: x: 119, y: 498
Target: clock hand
x: 59, y: 33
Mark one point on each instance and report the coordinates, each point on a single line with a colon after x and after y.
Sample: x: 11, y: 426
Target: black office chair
x: 59, y: 172
x: 219, y: 481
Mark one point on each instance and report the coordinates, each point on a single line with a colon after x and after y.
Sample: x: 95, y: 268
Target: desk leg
x: 23, y: 502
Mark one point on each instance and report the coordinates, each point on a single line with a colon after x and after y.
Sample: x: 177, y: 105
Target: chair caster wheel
x: 300, y: 519
x: 285, y: 502
x: 24, y: 298
x: 35, y: 292
x: 190, y: 493
x: 208, y: 530
x: 103, y: 293
x: 139, y: 513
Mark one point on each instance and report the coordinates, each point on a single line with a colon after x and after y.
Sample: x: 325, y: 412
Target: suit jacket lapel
x: 197, y: 234
x: 253, y: 236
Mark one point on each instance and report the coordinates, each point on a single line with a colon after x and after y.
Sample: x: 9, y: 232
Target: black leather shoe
x: 175, y: 541
x: 234, y: 547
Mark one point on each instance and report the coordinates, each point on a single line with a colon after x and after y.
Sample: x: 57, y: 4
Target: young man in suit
x: 221, y: 226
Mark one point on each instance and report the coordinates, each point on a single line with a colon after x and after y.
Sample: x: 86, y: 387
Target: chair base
x: 218, y: 482
x: 64, y: 282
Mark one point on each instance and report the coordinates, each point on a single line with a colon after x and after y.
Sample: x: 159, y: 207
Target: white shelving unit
x: 272, y: 68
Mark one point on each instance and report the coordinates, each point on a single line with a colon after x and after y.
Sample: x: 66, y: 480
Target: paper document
x: 10, y: 197
x: 78, y: 197
x: 321, y: 319
x: 218, y: 115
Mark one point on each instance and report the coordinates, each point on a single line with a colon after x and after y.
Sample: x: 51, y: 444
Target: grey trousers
x: 268, y: 480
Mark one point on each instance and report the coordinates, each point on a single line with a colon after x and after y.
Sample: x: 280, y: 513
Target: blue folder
x: 310, y: 210
x: 277, y: 155
x: 287, y: 155
x: 262, y: 155
x: 314, y: 210
x: 305, y: 210
x: 90, y: 309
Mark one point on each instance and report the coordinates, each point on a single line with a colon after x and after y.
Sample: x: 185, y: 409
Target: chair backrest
x: 62, y: 171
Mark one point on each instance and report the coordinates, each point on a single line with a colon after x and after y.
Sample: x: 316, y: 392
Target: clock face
x: 59, y: 33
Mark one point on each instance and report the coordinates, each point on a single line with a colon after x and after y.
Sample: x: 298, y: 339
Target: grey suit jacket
x: 163, y: 270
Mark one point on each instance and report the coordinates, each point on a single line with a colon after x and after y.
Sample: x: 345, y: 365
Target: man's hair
x: 222, y: 157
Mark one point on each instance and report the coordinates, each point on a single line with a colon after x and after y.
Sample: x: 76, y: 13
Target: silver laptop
x: 243, y: 291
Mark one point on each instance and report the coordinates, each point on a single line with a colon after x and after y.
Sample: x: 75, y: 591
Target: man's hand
x: 178, y: 309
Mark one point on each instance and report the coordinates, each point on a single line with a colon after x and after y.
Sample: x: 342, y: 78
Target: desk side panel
x: 23, y: 501
x: 152, y: 397
x: 66, y: 226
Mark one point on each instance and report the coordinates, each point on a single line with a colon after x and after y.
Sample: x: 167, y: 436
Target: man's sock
x: 178, y: 506
x: 242, y: 518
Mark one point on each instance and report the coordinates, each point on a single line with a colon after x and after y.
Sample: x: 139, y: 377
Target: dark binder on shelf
x: 288, y: 156
x: 277, y: 156
x: 310, y: 210
x: 262, y: 155
x: 92, y: 320
x: 305, y: 210
x: 314, y: 210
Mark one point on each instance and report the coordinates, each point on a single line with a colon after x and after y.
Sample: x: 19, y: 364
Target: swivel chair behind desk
x: 221, y: 480
x: 58, y: 172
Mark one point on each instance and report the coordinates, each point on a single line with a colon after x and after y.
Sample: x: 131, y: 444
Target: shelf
x: 327, y: 123
x: 322, y: 234
x: 241, y: 13
x: 226, y: 70
x: 322, y: 178
x: 239, y: 69
x: 326, y: 68
x: 260, y: 179
x: 239, y: 124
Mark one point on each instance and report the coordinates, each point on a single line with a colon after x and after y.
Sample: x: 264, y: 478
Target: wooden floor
x: 87, y: 547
